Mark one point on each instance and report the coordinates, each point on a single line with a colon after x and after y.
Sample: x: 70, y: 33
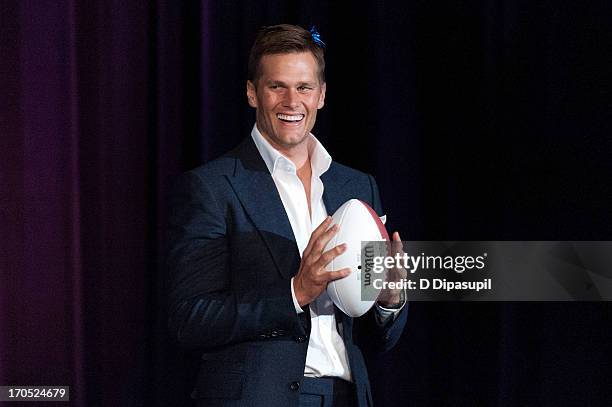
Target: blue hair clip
x: 316, y: 37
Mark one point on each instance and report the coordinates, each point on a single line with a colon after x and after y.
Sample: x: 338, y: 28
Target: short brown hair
x: 283, y: 39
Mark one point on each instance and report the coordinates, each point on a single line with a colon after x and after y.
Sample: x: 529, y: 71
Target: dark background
x: 482, y: 120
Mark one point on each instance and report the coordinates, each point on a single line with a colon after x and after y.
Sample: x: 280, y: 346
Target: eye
x: 304, y: 88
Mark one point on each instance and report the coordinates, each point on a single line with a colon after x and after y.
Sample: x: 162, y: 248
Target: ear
x: 251, y: 94
x: 322, y: 96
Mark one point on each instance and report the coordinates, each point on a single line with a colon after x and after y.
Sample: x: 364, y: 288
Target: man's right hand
x: 312, y: 277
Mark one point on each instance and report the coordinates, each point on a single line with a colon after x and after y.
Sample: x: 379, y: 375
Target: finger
x: 338, y: 274
x: 323, y: 226
x: 322, y: 241
x: 329, y: 255
x: 315, y: 234
x: 397, y: 242
x: 319, y: 245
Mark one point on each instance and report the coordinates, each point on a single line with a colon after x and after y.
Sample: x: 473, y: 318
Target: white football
x: 357, y: 222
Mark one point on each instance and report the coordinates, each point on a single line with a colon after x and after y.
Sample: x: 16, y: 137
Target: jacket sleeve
x: 204, y: 311
x: 373, y: 335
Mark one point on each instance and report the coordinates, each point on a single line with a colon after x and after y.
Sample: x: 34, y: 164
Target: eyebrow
x: 281, y: 83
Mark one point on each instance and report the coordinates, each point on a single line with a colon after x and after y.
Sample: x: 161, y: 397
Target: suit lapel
x: 259, y: 197
x: 336, y: 189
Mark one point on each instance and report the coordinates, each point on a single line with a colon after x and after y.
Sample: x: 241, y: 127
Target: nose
x: 291, y: 98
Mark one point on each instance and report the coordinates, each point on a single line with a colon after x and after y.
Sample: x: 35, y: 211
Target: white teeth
x: 291, y: 118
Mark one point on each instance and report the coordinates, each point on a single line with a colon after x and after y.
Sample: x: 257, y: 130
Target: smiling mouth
x: 290, y: 118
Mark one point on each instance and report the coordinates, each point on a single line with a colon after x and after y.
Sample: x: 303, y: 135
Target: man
x: 247, y: 261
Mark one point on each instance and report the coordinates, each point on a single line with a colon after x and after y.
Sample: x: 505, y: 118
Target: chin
x: 293, y: 139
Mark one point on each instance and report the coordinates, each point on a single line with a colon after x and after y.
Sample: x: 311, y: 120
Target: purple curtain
x: 43, y: 271
x: 87, y: 154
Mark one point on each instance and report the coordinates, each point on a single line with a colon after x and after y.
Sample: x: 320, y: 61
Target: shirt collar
x: 320, y: 160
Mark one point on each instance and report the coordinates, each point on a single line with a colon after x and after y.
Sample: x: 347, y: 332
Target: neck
x: 299, y: 153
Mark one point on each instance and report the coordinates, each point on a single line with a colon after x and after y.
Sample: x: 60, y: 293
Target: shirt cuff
x: 383, y: 314
x: 298, y: 309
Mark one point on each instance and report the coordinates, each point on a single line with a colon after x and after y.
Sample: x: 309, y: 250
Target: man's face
x: 287, y: 97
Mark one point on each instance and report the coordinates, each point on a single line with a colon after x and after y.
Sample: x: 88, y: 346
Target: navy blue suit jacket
x: 231, y: 256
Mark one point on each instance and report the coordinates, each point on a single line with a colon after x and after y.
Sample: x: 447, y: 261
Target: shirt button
x: 294, y: 386
x: 301, y: 339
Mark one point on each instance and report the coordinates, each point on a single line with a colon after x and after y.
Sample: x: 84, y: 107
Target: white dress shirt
x: 326, y: 355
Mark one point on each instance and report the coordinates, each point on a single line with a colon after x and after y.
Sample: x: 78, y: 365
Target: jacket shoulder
x: 224, y: 165
x: 219, y: 167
